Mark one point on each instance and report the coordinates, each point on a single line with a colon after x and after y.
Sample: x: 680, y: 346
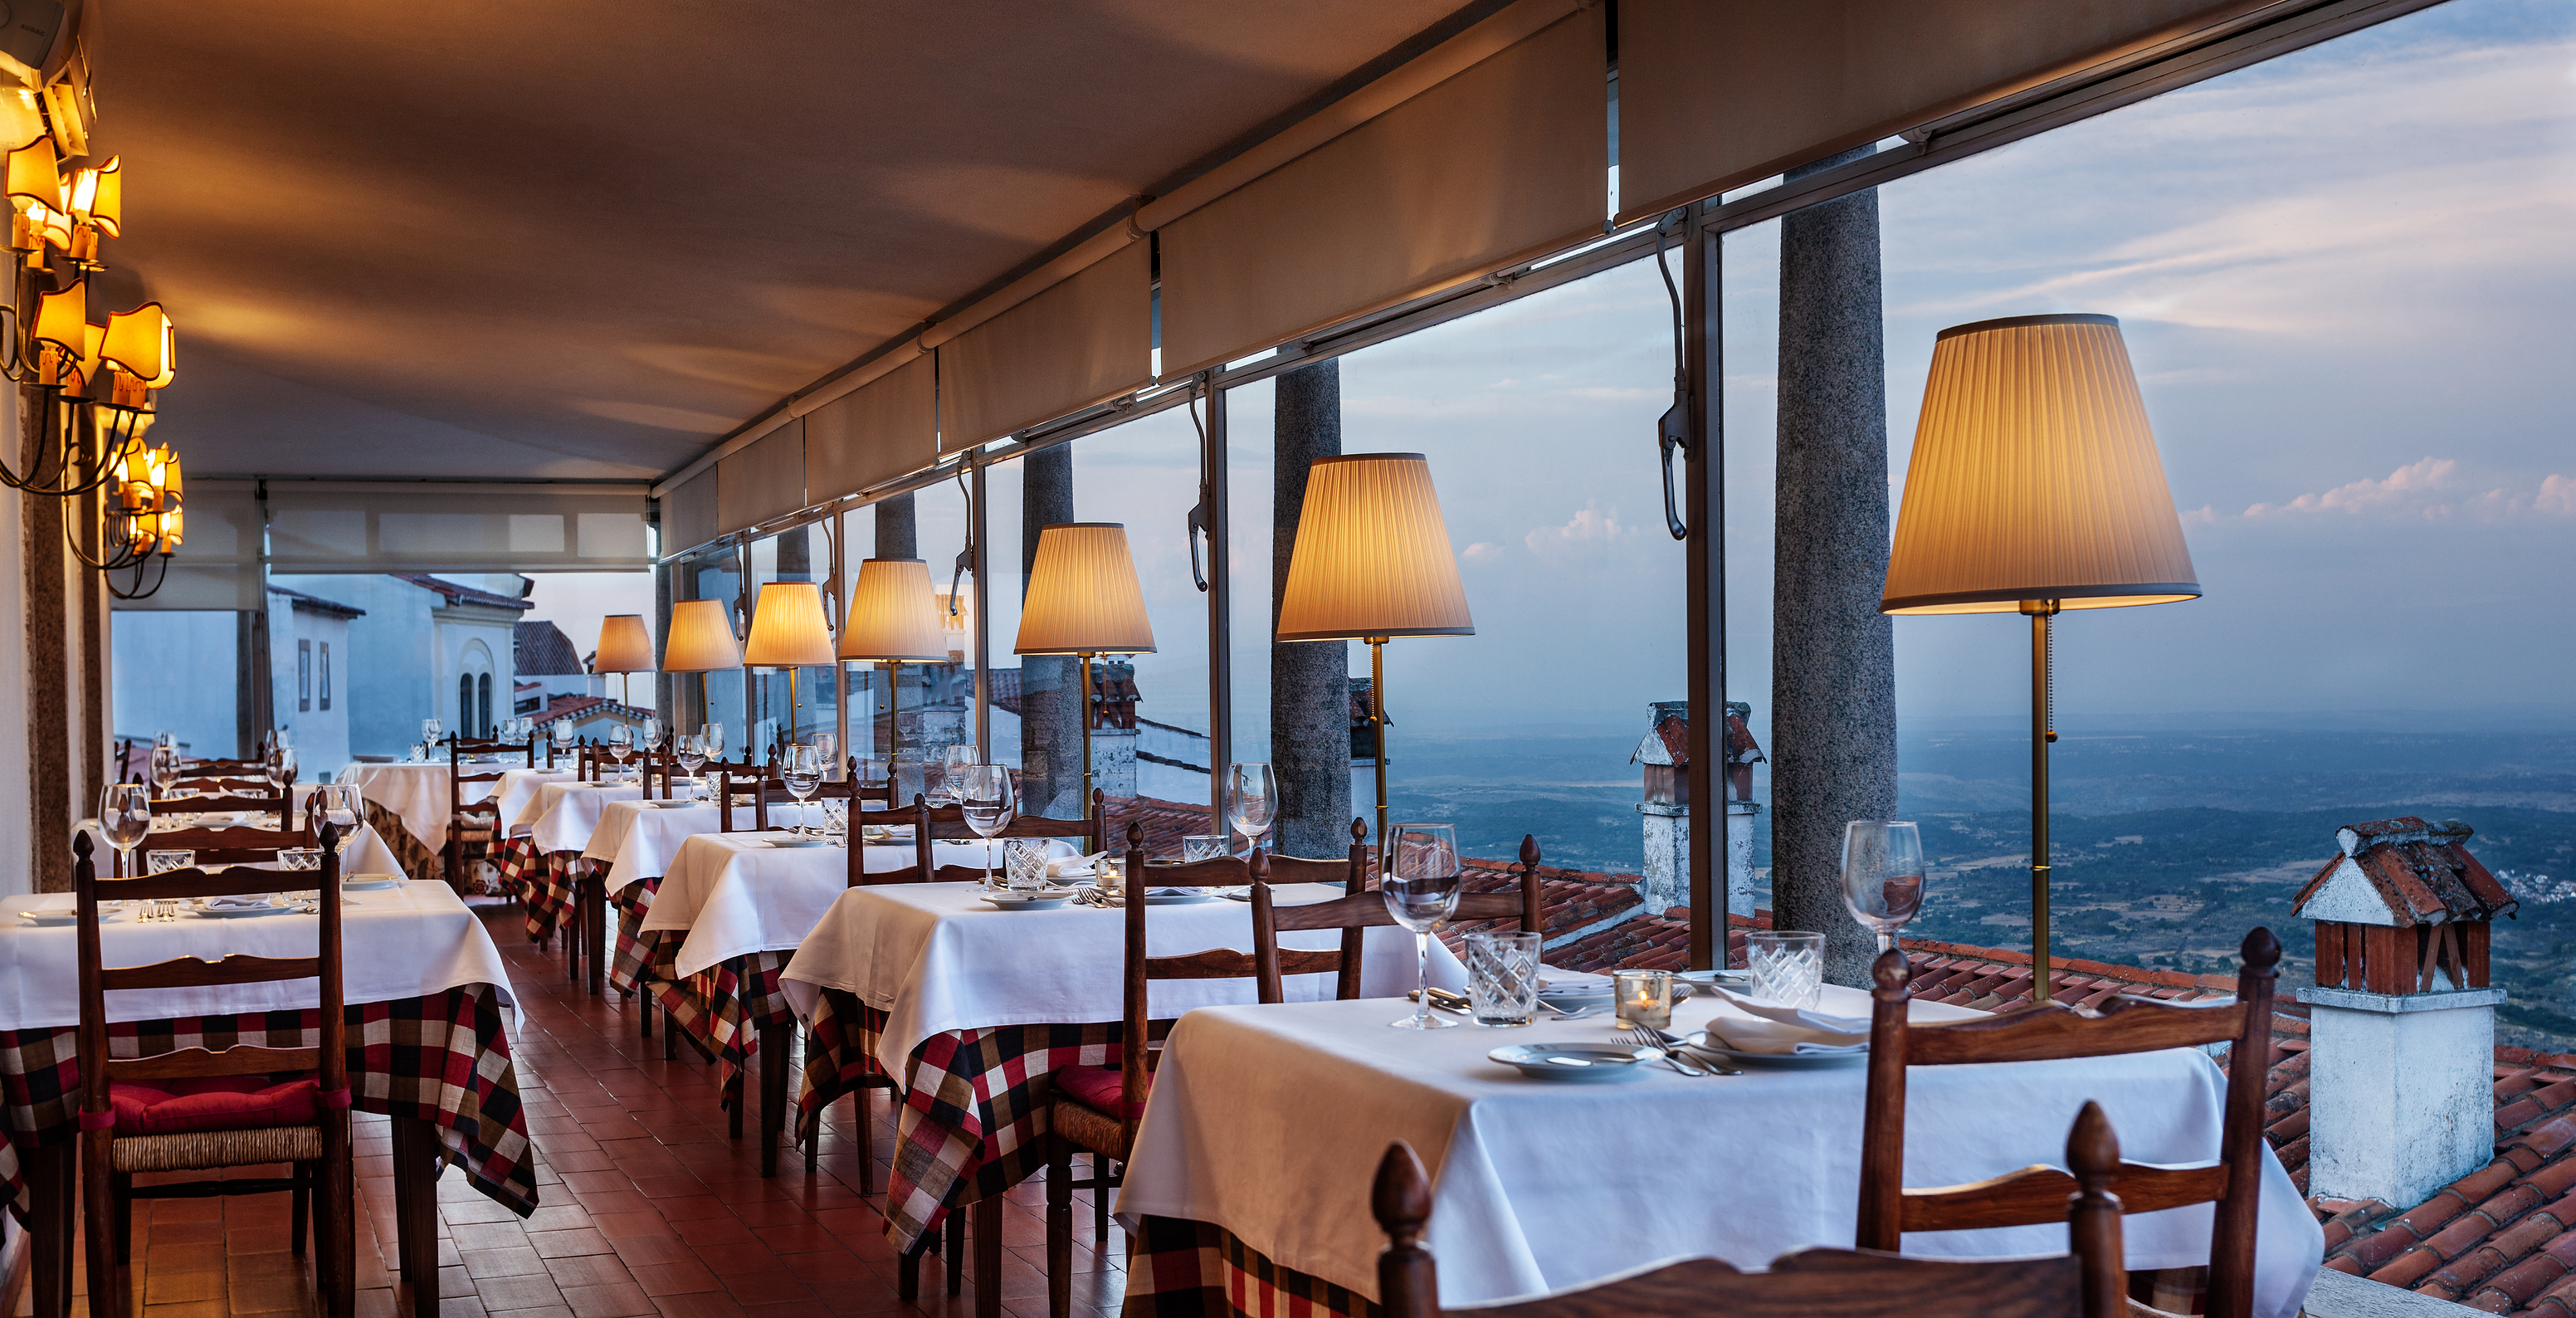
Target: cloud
x: 2409, y: 490
x: 2557, y: 494
x: 1588, y: 534
x: 1483, y: 551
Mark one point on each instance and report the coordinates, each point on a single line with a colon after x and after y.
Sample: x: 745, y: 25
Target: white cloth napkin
x: 1778, y: 1029
x: 1569, y: 982
x: 238, y: 902
x: 1072, y: 867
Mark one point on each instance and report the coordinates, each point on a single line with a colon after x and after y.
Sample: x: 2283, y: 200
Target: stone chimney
x: 1665, y: 753
x: 2401, y: 1021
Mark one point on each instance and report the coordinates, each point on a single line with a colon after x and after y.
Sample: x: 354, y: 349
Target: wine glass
x: 802, y: 772
x: 1883, y: 875
x: 621, y: 743
x: 1252, y: 800
x: 281, y: 767
x: 339, y: 806
x: 715, y: 738
x: 826, y: 748
x: 954, y: 762
x: 690, y: 749
x: 166, y: 739
x: 1421, y: 890
x: 431, y: 731
x: 165, y: 770
x: 652, y: 734
x: 984, y: 790
x: 125, y: 817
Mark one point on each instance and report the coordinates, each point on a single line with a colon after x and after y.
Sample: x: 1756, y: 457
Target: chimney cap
x: 2403, y: 872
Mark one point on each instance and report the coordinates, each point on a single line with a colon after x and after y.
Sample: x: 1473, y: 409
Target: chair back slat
x: 2036, y: 1194
x: 913, y: 874
x: 1141, y: 969
x: 225, y: 839
x: 198, y: 881
x: 2058, y: 1031
x: 189, y: 972
x: 197, y: 1063
x: 1216, y: 963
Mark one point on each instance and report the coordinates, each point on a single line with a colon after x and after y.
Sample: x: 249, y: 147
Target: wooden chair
x: 474, y: 828
x: 225, y: 846
x: 492, y: 746
x: 948, y: 824
x: 1861, y: 1284
x: 316, y: 1148
x: 918, y: 871
x: 2123, y: 1025
x: 1356, y: 912
x: 273, y: 804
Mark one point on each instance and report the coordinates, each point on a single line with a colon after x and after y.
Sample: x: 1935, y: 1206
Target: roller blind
x: 1506, y: 160
x: 689, y: 513
x: 326, y: 526
x: 217, y: 566
x: 764, y: 480
x: 1715, y: 94
x: 875, y: 433
x: 1088, y: 339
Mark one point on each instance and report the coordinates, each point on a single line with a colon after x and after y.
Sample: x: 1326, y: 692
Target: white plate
x: 237, y: 912
x: 1027, y: 901
x: 68, y: 915
x: 370, y: 882
x: 1179, y: 898
x: 1701, y: 1043
x: 1582, y: 1063
x: 797, y: 843
x: 1711, y: 978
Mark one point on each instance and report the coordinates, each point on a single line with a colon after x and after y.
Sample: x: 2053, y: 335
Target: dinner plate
x: 1027, y: 901
x: 370, y: 882
x: 1179, y: 898
x: 272, y: 907
x: 1700, y: 1043
x: 1577, y: 1001
x: 1712, y: 978
x: 67, y: 915
x: 793, y: 843
x: 1582, y: 1063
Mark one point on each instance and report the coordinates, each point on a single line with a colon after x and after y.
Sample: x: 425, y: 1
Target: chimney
x: 1665, y: 809
x: 2402, y: 1020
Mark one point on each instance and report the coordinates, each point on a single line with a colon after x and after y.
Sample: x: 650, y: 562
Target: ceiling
x: 584, y: 239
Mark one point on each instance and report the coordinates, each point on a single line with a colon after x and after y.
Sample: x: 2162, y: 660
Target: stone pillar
x: 1310, y: 712
x: 1833, y: 654
x: 1050, y: 685
x: 895, y: 539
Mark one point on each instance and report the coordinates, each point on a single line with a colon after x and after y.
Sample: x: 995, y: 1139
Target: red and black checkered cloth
x: 1183, y: 1269
x: 443, y: 1058
x: 415, y: 856
x: 544, y: 882
x: 722, y: 1007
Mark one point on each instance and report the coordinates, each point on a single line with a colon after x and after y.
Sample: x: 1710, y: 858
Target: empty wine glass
x: 339, y: 806
x: 984, y: 790
x: 281, y: 767
x: 1883, y: 875
x: 1252, y: 800
x: 1421, y: 890
x: 432, y: 731
x: 954, y: 762
x: 621, y: 743
x: 652, y: 734
x: 690, y: 749
x: 715, y: 739
x: 802, y: 772
x: 165, y: 769
x: 125, y: 817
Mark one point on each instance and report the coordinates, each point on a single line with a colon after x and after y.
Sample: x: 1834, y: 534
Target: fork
x: 1645, y: 1038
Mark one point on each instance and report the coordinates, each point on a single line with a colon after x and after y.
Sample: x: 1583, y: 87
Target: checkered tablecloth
x: 633, y: 960
x: 974, y: 1108
x: 443, y: 1058
x: 416, y: 859
x: 544, y: 882
x: 1182, y: 1269
x: 722, y: 1007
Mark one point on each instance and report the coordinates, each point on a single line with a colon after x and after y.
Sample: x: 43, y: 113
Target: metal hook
x: 1673, y: 431
x: 1198, y: 524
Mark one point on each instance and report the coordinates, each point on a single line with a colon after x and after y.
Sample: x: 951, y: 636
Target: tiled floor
x: 647, y: 1208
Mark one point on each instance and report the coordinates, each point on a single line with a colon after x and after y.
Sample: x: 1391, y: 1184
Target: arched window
x: 483, y: 705
x: 465, y: 705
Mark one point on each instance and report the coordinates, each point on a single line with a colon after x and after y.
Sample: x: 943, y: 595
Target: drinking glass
x: 431, y: 730
x: 165, y: 769
x: 1502, y: 977
x: 1252, y: 800
x: 281, y: 767
x: 420, y: 752
x: 1205, y: 846
x: 124, y: 816
x: 652, y: 734
x: 1024, y: 864
x: 985, y: 792
x: 1421, y: 891
x: 621, y: 743
x: 1787, y: 967
x: 1883, y: 875
x: 954, y: 762
x: 690, y: 749
x: 827, y: 747
x: 340, y: 807
x: 802, y: 772
x: 166, y: 738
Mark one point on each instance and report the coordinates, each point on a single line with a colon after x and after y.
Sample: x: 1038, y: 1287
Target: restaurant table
x: 973, y: 1009
x: 540, y: 863
x: 1249, y: 1184
x: 519, y: 786
x: 417, y: 794
x: 429, y: 1008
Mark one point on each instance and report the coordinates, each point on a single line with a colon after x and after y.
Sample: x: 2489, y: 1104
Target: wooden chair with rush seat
x: 199, y: 1110
x: 473, y: 827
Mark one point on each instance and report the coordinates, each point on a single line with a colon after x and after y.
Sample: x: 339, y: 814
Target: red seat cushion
x: 1098, y: 1087
x: 222, y: 1102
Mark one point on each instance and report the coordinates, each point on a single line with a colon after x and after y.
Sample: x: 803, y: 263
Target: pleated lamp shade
x: 787, y: 627
x: 1083, y: 595
x: 701, y: 639
x: 1372, y: 555
x: 2035, y: 477
x: 894, y: 617
x: 624, y: 645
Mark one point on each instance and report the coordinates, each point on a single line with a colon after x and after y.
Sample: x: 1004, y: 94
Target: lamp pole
x: 2042, y: 689
x: 1377, y: 725
x: 1084, y: 659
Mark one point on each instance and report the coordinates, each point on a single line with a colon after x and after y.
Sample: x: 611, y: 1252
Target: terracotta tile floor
x: 646, y: 1208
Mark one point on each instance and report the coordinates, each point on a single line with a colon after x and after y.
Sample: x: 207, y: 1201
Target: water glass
x: 299, y: 858
x: 1024, y: 864
x: 1882, y: 875
x: 1421, y: 891
x: 1205, y: 846
x: 1787, y: 967
x: 162, y: 862
x: 1643, y: 997
x: 1502, y: 977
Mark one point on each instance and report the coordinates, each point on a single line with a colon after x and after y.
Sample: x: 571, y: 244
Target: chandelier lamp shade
x: 2035, y: 488
x: 894, y: 619
x: 1373, y: 562
x: 1084, y: 599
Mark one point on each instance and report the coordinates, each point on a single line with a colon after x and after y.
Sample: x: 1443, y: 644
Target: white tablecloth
x: 406, y: 941
x: 417, y: 792
x: 560, y: 816
x: 937, y: 958
x: 519, y: 787
x: 638, y: 839
x: 1269, y: 1121
x: 736, y: 895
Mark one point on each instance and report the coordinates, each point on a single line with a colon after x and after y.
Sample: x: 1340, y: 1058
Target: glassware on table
x: 802, y: 771
x: 1502, y: 977
x: 650, y: 736
x: 419, y: 752
x: 1786, y: 966
x: 165, y: 769
x: 1251, y: 801
x: 1024, y: 864
x: 690, y: 749
x: 836, y: 818
x: 432, y: 731
x: 621, y: 743
x: 299, y: 858
x: 1206, y: 846
x: 340, y: 806
x: 1642, y: 997
x: 954, y: 762
x: 162, y: 862
x: 1883, y: 875
x: 1421, y: 891
x: 827, y: 746
x: 281, y: 767
x: 124, y: 818
x: 165, y: 737
x: 714, y: 735
x: 985, y: 795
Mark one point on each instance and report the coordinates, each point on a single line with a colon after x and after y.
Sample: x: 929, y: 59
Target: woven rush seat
x: 206, y: 1150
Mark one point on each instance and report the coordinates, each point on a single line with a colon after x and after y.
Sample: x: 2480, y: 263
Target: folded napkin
x: 1570, y: 982
x: 238, y: 903
x: 1778, y: 1029
x: 1072, y: 867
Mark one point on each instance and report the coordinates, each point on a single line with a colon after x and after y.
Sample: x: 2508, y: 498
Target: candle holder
x: 1643, y: 997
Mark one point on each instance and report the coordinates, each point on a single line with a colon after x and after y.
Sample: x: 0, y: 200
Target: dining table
x: 429, y: 1012
x: 408, y: 802
x: 968, y: 1010
x: 1250, y: 1180
x: 540, y: 862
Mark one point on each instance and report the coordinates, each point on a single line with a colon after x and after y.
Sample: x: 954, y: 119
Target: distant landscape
x: 2169, y: 843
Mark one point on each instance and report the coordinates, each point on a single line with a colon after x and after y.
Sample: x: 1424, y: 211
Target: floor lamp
x: 1084, y: 600
x: 1372, y: 562
x: 624, y: 647
x: 2035, y: 488
x: 788, y: 631
x: 893, y: 619
x: 701, y: 642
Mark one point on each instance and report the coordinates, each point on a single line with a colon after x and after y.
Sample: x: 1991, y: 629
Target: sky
x: 2343, y: 277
